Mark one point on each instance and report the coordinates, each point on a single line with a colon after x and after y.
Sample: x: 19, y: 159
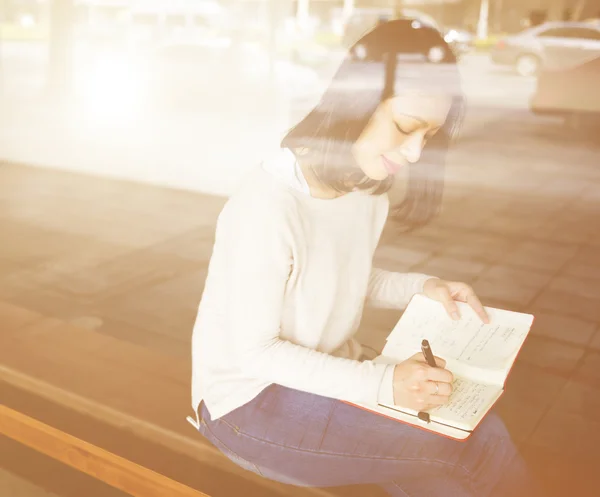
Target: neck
x: 317, y: 188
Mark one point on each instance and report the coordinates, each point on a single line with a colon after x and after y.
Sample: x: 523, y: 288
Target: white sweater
x: 284, y: 295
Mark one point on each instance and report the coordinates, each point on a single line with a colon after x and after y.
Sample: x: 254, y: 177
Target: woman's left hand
x: 448, y: 292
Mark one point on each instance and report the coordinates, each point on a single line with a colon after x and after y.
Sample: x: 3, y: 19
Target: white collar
x: 284, y: 166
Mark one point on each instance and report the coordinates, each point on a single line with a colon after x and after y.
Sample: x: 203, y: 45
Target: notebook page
x: 467, y: 405
x: 468, y: 340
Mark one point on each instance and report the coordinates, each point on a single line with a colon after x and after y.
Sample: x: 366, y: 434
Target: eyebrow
x: 422, y: 121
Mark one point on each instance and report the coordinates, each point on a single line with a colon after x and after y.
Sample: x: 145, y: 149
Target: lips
x: 391, y: 167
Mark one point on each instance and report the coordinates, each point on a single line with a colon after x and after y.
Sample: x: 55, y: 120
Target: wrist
x: 430, y: 284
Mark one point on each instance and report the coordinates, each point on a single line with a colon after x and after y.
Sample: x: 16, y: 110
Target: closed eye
x: 407, y: 132
x: 403, y: 131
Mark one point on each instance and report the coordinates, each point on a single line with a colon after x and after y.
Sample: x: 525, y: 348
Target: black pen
x: 426, y: 349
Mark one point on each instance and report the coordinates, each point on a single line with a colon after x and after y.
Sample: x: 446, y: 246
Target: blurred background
x: 102, y: 85
x: 124, y: 126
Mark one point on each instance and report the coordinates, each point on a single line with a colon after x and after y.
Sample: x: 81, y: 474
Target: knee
x: 490, y: 454
x: 490, y: 445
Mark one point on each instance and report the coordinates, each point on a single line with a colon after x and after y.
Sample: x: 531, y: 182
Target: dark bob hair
x: 374, y: 70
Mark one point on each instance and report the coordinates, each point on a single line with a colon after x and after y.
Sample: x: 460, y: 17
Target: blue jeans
x: 308, y: 440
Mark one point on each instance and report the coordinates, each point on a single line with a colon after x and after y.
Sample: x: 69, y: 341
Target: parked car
x: 363, y: 19
x: 571, y: 93
x: 549, y: 45
x: 461, y: 40
x: 418, y: 40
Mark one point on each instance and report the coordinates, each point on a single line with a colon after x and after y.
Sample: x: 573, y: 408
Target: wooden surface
x: 89, y: 459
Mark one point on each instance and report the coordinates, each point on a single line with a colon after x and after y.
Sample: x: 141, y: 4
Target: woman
x: 273, y: 348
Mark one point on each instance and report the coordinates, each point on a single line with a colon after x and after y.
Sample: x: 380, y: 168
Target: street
x: 24, y: 65
x: 109, y: 128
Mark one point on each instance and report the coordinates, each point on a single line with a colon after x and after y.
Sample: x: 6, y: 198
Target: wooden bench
x: 103, y: 398
x: 105, y: 466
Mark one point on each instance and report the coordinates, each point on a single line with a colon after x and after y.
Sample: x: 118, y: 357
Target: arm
x: 257, y: 239
x: 394, y: 290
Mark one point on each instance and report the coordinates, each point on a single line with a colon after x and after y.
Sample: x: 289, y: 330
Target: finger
x: 416, y: 378
x: 448, y: 301
x: 477, y: 306
x: 439, y: 375
x: 441, y: 390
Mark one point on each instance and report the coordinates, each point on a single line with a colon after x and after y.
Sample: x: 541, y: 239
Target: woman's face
x: 398, y: 131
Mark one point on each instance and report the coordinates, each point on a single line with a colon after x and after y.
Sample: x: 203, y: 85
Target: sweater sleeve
x: 258, y: 240
x: 386, y: 390
x: 393, y: 290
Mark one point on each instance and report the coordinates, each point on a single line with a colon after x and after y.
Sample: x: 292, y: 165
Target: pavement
x: 100, y: 280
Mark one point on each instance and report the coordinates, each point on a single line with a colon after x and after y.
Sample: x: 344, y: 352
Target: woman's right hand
x: 415, y: 383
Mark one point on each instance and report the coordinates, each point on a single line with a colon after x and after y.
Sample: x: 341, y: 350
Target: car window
x: 418, y: 39
x: 591, y: 34
x: 570, y: 32
x: 555, y: 33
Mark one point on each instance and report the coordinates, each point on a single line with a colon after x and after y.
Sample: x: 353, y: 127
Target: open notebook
x: 479, y: 355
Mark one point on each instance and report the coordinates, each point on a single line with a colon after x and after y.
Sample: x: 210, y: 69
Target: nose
x: 412, y: 148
